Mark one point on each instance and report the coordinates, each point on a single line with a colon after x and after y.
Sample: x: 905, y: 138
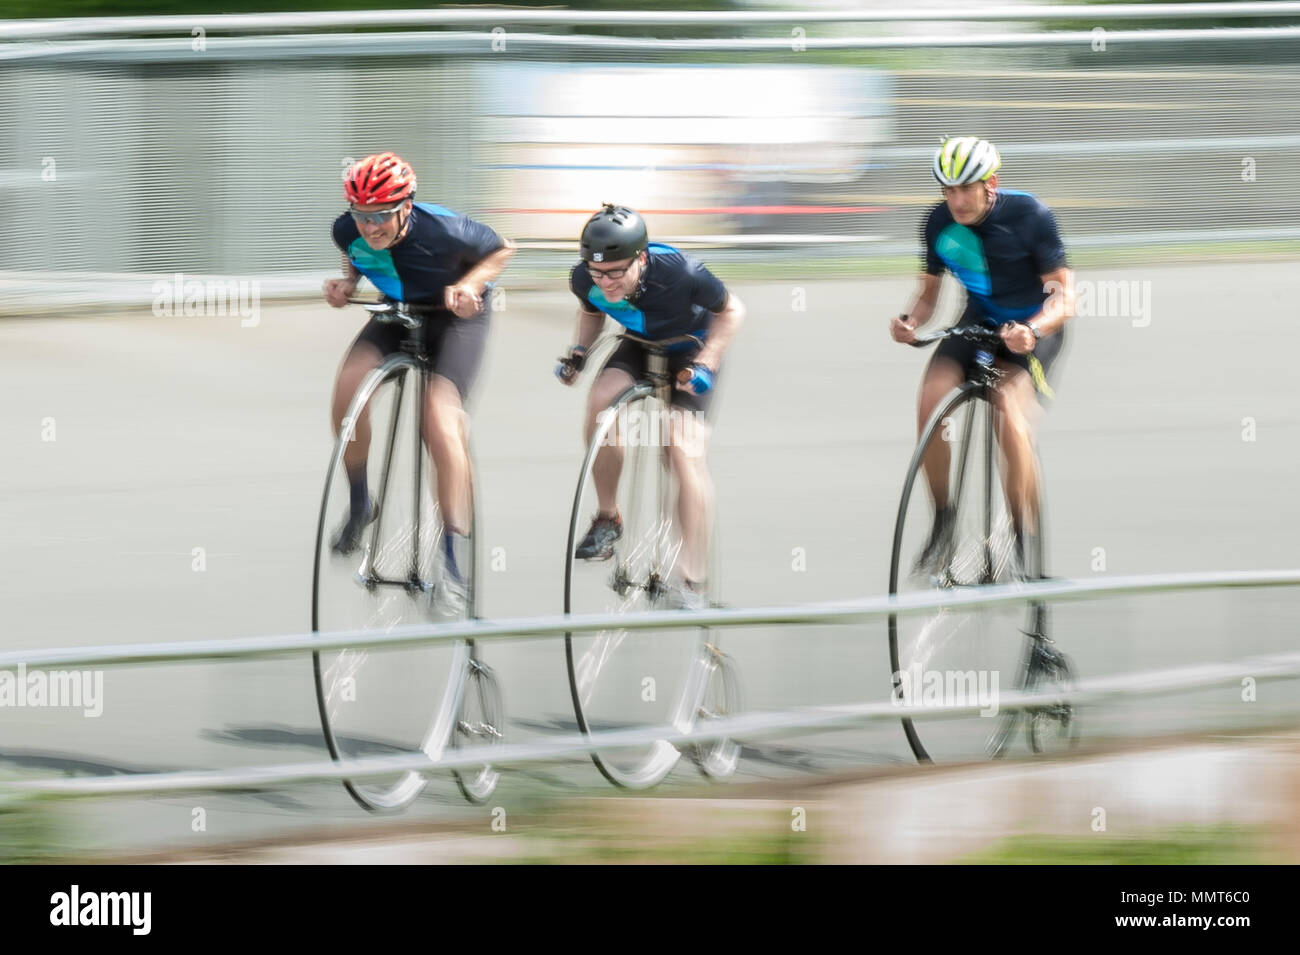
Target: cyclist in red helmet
x: 443, y: 263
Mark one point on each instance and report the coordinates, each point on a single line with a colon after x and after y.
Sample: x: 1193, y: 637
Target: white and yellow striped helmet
x: 965, y: 159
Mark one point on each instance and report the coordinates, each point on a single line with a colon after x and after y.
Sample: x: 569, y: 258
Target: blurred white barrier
x: 751, y: 726
x: 148, y: 146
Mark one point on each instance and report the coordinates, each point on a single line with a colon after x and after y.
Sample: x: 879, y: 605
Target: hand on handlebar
x: 697, y: 379
x: 571, y: 365
x: 1018, y: 337
x: 463, y: 300
x: 338, y: 291
x: 901, y: 331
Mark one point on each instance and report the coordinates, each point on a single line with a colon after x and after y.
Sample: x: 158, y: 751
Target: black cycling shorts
x: 456, y: 345
x: 631, y: 358
x: 1037, y: 363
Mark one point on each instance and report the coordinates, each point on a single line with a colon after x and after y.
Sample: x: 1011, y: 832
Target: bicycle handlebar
x: 661, y: 344
x: 656, y: 346
x: 398, y: 313
x: 980, y: 334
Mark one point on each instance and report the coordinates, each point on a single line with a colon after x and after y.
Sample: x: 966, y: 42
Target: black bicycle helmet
x: 613, y: 234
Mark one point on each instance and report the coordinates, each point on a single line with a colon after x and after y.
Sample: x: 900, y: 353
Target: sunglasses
x: 375, y: 218
x: 598, y: 274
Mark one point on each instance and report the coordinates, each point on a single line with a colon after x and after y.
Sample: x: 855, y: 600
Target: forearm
x: 922, y: 307
x: 589, y: 326
x: 1060, y: 304
x: 721, y: 332
x: 490, y: 269
x: 350, y: 272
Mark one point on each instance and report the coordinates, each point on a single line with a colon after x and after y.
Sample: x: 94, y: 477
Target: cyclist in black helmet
x: 657, y: 292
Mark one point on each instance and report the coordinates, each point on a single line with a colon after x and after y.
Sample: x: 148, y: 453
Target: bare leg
x: 1018, y: 413
x: 446, y: 428
x: 690, y: 442
x: 611, y: 383
x: 942, y: 375
x: 356, y: 365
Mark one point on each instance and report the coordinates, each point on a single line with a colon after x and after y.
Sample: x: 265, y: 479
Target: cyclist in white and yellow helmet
x: 1004, y: 248
x: 965, y: 159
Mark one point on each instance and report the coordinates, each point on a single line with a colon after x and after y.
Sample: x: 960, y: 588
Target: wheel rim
x: 480, y: 721
x: 621, y: 678
x: 719, y: 700
x: 957, y: 657
x: 386, y: 701
x: 1053, y: 728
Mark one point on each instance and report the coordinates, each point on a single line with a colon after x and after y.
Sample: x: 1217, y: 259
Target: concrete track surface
x: 1172, y: 446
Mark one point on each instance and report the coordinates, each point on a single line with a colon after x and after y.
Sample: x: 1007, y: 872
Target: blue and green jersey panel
x: 438, y: 250
x: 678, y: 296
x: 999, y: 261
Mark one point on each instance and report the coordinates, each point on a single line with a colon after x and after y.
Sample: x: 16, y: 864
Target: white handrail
x: 751, y: 726
x: 831, y: 612
x: 230, y: 22
x: 333, y: 44
x: 748, y: 727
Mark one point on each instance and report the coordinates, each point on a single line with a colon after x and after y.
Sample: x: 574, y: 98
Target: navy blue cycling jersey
x: 676, y: 296
x: 1001, y: 260
x: 439, y: 248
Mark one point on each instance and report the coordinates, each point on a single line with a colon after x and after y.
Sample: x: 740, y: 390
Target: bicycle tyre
x: 996, y: 646
x: 674, y: 656
x: 720, y: 698
x: 436, y: 716
x: 480, y: 719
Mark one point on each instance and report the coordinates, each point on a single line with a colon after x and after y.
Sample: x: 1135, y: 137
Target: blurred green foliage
x: 31, y: 831
x: 1189, y: 845
x: 606, y: 832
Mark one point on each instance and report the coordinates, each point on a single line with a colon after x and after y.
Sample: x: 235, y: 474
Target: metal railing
x: 752, y: 726
x: 462, y: 43
x: 234, y: 23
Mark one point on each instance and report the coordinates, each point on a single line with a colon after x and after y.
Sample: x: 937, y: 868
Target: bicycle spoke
x: 620, y: 677
x: 385, y: 700
x: 957, y: 657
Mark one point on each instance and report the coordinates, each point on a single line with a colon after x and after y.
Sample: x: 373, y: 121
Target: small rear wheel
x: 719, y: 700
x: 1053, y: 728
x: 480, y: 722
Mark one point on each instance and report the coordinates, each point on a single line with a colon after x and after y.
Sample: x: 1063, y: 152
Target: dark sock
x: 1026, y: 548
x: 449, y: 540
x: 360, y: 492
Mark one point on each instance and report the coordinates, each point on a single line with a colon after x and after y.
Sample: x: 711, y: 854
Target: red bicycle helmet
x: 378, y: 179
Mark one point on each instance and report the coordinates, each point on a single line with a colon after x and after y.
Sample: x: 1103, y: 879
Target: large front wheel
x: 619, y: 678
x: 390, y: 701
x: 959, y: 657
